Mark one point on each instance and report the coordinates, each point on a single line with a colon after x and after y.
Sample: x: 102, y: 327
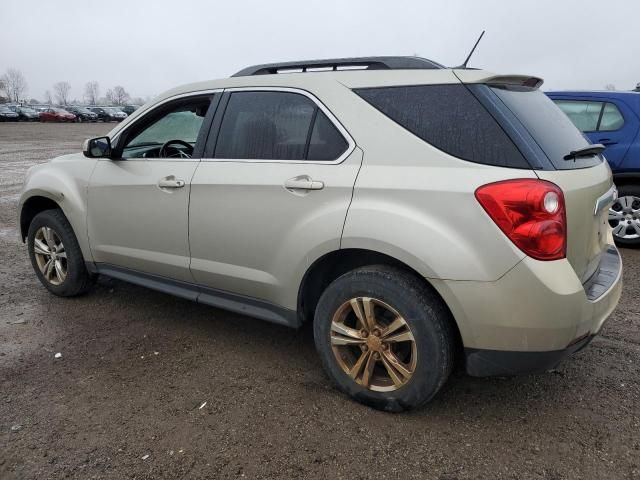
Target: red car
x: 56, y: 115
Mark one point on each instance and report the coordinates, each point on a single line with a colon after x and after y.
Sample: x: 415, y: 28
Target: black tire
x: 424, y: 312
x: 628, y: 191
x: 77, y: 280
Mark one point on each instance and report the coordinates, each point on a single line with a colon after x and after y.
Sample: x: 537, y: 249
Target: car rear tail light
x: 531, y: 213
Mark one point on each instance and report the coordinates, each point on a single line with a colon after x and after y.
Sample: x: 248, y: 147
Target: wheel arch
x: 338, y: 262
x: 626, y: 178
x: 32, y: 206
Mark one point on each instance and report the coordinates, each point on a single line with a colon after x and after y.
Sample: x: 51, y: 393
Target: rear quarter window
x: 611, y: 119
x: 585, y: 115
x: 451, y: 119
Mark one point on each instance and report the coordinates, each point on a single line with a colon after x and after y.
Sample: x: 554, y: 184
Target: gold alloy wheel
x: 51, y: 257
x: 373, y: 344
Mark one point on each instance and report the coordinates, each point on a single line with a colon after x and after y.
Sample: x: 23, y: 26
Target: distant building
x: 637, y: 89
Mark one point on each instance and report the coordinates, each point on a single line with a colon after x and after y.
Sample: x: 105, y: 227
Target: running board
x: 232, y: 302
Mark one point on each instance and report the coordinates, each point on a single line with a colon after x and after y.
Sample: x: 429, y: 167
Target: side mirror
x: 99, y: 147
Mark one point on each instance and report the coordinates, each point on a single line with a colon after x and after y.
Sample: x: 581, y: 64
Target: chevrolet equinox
x: 418, y: 216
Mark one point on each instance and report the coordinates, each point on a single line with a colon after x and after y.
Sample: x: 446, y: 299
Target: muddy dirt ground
x: 151, y: 386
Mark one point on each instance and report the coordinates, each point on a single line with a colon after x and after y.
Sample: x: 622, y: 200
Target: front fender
x: 63, y: 181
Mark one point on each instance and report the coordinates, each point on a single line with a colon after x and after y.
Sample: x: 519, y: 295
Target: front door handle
x: 170, y: 182
x: 303, y: 182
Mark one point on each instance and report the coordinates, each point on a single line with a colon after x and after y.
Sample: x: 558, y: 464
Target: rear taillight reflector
x: 531, y: 213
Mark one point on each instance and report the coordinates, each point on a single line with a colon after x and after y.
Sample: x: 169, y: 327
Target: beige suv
x: 417, y: 216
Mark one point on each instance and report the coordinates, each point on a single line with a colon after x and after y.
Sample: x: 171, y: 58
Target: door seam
x: 353, y: 189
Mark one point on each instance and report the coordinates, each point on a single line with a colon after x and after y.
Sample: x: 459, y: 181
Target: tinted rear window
x: 451, y: 119
x: 326, y: 142
x: 551, y: 129
x: 277, y: 126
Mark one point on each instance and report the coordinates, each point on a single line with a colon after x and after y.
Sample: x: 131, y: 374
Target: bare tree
x: 62, y: 89
x: 47, y: 97
x: 109, y: 96
x: 610, y: 87
x: 14, y: 84
x: 120, y: 95
x: 92, y: 92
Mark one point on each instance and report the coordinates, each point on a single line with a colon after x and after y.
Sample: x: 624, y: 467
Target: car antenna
x: 464, y: 65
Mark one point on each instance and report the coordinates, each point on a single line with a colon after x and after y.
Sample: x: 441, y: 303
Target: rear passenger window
x: 277, y: 126
x: 612, y: 119
x: 451, y: 119
x: 590, y: 116
x: 584, y: 115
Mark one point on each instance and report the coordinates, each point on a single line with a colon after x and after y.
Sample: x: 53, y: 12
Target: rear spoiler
x: 478, y: 76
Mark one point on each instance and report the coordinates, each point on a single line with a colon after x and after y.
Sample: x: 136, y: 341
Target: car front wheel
x: 384, y: 338
x: 624, y: 216
x: 56, y: 256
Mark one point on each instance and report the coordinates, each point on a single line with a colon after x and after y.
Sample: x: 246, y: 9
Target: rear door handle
x: 607, y: 141
x: 170, y: 182
x: 303, y: 183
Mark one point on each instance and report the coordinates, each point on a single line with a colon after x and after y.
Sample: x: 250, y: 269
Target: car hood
x: 70, y: 157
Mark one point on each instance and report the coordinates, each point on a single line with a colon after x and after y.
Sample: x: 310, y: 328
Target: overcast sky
x: 149, y: 46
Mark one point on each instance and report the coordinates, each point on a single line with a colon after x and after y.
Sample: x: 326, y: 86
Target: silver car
x: 417, y: 216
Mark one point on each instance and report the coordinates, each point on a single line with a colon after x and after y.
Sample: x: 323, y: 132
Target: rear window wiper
x: 588, y: 151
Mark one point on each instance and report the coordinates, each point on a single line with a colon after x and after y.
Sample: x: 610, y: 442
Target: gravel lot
x: 151, y: 386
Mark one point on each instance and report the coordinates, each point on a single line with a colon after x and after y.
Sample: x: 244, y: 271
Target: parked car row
x: 72, y: 113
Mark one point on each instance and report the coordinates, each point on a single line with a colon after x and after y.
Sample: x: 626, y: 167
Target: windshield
x: 27, y: 110
x: 551, y: 129
x: 59, y: 110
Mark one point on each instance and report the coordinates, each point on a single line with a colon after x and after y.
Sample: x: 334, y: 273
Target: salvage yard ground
x: 151, y: 386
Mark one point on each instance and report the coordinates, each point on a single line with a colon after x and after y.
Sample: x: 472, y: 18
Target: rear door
x: 272, y: 190
x: 583, y: 180
x: 608, y: 121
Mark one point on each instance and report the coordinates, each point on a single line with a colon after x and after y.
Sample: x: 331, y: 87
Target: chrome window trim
x: 351, y: 144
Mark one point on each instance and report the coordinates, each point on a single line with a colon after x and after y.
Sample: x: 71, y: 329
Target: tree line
x: 13, y: 88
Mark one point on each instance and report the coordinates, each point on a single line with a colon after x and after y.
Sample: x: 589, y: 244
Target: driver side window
x: 170, y: 133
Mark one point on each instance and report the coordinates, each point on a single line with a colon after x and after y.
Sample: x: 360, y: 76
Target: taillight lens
x: 531, y: 213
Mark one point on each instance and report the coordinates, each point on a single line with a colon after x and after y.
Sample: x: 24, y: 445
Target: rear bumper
x: 534, y: 316
x: 488, y: 363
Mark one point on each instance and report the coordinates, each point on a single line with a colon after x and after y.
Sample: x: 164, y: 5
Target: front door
x: 138, y: 202
x: 272, y: 191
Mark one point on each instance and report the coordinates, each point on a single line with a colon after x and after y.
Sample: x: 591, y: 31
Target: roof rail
x: 364, y: 63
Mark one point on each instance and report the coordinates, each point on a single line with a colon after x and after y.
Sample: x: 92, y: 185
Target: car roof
x: 318, y: 81
x: 349, y: 79
x: 595, y: 93
x: 631, y: 99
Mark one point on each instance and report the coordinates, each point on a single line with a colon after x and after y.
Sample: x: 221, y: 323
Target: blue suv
x: 613, y: 119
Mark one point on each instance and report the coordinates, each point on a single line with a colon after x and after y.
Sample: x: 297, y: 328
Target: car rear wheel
x: 56, y: 256
x: 624, y: 216
x: 384, y: 338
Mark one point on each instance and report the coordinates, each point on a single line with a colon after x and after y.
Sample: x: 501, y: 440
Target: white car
x: 416, y: 215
